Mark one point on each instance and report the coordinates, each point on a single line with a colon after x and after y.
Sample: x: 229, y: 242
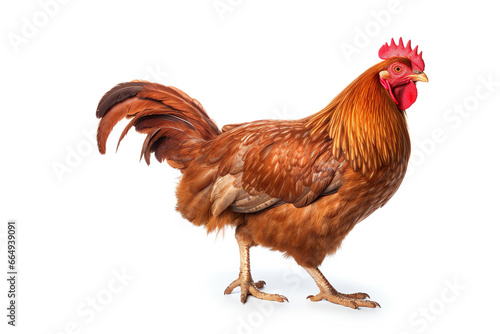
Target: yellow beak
x: 419, y: 77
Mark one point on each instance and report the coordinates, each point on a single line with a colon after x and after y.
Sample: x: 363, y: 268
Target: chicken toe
x: 340, y: 299
x: 352, y: 300
x: 247, y: 287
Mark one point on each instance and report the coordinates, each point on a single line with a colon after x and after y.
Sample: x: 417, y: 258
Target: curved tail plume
x: 173, y: 121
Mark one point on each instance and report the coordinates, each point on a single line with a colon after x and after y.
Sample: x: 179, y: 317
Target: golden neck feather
x: 365, y: 125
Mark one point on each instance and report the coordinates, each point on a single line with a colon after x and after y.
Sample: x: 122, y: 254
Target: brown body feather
x: 294, y: 186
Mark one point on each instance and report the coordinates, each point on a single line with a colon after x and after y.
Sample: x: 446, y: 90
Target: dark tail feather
x: 171, y: 119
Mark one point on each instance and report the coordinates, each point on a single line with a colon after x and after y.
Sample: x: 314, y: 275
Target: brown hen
x: 297, y: 187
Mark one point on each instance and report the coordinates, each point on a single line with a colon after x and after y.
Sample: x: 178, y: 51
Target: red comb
x: 399, y: 50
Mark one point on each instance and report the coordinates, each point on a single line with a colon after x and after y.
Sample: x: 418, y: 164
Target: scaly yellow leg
x: 245, y: 281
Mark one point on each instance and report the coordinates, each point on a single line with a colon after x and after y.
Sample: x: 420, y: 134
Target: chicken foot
x: 245, y: 281
x: 353, y: 300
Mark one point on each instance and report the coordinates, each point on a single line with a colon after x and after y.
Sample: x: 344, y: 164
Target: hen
x: 297, y: 186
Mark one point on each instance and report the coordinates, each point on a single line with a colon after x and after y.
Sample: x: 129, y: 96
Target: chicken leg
x: 245, y: 281
x: 326, y: 291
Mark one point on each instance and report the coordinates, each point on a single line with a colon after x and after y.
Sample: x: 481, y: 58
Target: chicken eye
x: 397, y: 69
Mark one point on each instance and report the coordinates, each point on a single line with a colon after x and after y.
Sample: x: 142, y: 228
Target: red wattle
x: 406, y: 95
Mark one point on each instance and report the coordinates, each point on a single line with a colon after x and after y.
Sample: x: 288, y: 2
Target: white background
x: 260, y: 59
